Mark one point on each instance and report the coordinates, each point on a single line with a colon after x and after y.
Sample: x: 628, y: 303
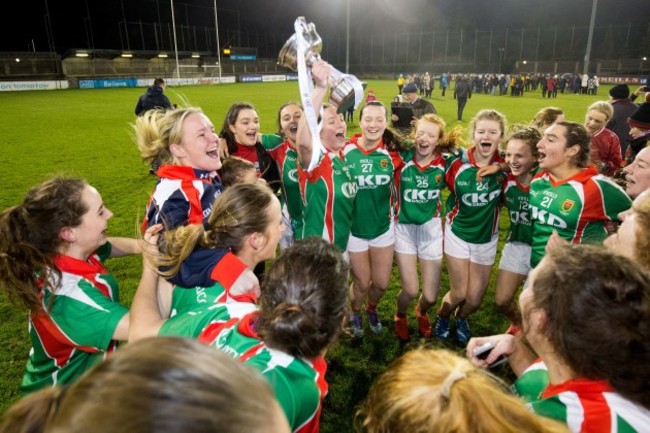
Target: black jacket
x: 153, y: 98
x: 462, y: 90
x: 623, y: 109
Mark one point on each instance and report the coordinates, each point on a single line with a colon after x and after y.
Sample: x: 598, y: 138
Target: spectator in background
x: 444, y: 82
x: 435, y: 390
x: 638, y: 92
x: 605, y: 147
x: 619, y: 97
x: 584, y: 83
x: 158, y: 385
x: 153, y: 98
x: 400, y: 83
x: 370, y: 96
x: 419, y: 106
x: 639, y: 123
x: 462, y: 92
x: 349, y: 113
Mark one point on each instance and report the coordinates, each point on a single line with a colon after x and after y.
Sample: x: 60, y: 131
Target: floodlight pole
x: 216, y: 24
x: 347, y: 43
x: 178, y: 69
x: 585, y: 69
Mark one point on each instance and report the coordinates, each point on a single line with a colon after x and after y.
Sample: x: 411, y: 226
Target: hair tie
x: 294, y: 308
x: 450, y: 381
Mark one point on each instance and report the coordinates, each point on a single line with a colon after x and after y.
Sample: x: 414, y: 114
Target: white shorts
x: 358, y: 245
x: 515, y: 257
x: 425, y: 240
x: 481, y: 254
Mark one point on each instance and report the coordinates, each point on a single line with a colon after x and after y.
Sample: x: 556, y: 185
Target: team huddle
x: 226, y: 201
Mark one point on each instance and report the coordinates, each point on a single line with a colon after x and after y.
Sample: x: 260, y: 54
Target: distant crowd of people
x: 341, y: 210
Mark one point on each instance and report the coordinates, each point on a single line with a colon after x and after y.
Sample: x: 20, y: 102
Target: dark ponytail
x: 304, y: 299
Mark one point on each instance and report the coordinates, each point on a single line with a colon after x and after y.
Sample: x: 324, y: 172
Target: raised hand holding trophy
x: 299, y: 53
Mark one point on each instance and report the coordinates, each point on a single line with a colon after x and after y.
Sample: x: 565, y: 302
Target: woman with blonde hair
x: 158, y: 385
x: 247, y: 222
x: 451, y: 396
x: 471, y: 232
x: 185, y: 142
x: 605, y: 145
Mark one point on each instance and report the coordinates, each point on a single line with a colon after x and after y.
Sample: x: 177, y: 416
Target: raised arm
x: 320, y: 71
x: 146, y: 319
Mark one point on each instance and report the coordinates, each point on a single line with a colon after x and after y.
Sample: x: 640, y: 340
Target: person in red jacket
x: 605, y: 145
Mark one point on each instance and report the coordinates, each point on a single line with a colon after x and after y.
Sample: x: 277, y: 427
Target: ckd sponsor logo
x: 293, y: 175
x: 201, y: 296
x: 373, y: 180
x: 420, y: 195
x: 517, y: 217
x: 349, y: 189
x: 545, y: 217
x: 476, y: 199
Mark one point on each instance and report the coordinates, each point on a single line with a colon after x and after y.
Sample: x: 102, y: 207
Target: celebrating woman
x: 472, y: 223
x: 185, y: 142
x: 585, y: 315
x: 246, y: 221
x: 569, y: 200
x: 52, y: 249
x: 328, y: 190
x: 302, y: 307
x: 418, y: 229
x: 372, y: 236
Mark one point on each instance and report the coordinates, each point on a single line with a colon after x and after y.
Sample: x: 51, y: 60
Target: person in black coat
x: 462, y: 92
x: 153, y: 98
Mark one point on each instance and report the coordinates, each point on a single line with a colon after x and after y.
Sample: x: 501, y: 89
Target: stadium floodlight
x: 82, y: 54
x: 127, y: 55
x: 163, y: 55
x: 196, y: 56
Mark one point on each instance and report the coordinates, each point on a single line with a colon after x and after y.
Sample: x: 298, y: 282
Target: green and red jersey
x: 584, y: 405
x: 286, y: 158
x: 74, y: 331
x: 328, y: 193
x: 516, y: 198
x: 373, y: 172
x: 577, y: 208
x: 221, y: 279
x: 299, y: 384
x: 473, y: 207
x: 419, y: 189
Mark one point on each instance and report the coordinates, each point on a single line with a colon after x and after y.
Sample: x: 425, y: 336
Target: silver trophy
x: 341, y: 85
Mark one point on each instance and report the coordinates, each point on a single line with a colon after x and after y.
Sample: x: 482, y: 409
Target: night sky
x: 71, y: 19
